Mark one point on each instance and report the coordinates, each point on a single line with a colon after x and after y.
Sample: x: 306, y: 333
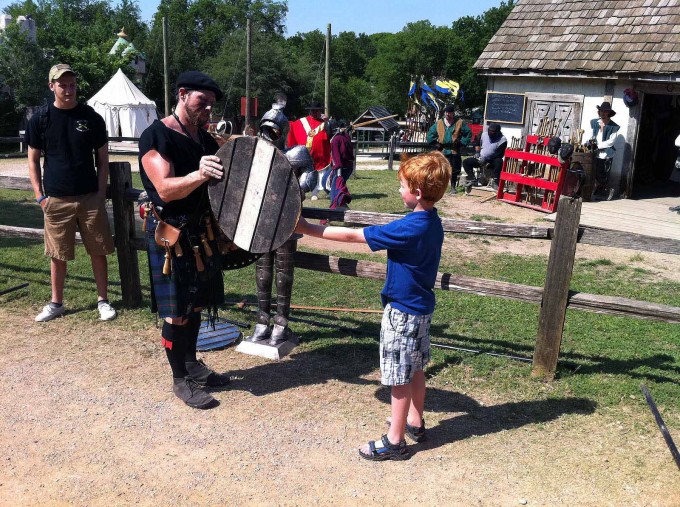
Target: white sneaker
x: 49, y: 312
x: 106, y: 311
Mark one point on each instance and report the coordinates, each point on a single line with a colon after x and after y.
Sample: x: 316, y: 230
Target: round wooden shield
x: 257, y: 203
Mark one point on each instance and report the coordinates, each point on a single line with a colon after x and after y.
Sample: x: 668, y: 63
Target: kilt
x: 184, y: 289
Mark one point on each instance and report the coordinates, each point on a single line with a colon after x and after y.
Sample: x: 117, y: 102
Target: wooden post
x: 327, y: 73
x: 556, y: 289
x: 166, y: 82
x: 124, y: 227
x: 392, y: 148
x: 248, y: 61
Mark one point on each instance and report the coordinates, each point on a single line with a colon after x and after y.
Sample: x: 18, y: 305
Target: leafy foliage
x: 209, y: 35
x: 21, y: 62
x: 78, y: 32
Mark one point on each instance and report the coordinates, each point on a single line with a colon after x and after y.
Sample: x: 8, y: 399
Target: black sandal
x: 415, y: 433
x: 388, y: 450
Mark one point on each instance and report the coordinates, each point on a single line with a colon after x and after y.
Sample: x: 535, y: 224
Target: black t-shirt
x: 71, y: 138
x: 185, y: 155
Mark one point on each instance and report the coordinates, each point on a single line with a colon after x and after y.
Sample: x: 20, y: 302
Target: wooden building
x: 372, y: 130
x: 562, y: 58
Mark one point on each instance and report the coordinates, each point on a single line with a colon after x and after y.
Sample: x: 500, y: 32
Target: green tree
x: 78, y: 32
x: 201, y: 30
x: 470, y: 37
x: 424, y: 50
x: 23, y: 68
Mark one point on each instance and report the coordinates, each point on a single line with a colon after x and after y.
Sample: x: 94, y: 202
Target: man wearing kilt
x: 177, y: 160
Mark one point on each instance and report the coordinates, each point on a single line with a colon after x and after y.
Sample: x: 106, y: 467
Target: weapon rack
x: 532, y: 177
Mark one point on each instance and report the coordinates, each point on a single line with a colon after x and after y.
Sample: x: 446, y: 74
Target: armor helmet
x: 554, y: 145
x: 300, y: 160
x: 274, y: 125
x: 565, y: 152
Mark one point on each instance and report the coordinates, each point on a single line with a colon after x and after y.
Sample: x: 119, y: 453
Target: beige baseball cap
x: 59, y: 70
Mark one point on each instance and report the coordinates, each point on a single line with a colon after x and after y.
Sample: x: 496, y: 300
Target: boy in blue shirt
x: 414, y: 245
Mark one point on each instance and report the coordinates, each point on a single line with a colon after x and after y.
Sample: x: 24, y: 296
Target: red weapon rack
x: 532, y: 177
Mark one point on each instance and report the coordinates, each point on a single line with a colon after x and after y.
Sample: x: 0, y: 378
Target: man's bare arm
x: 103, y: 168
x: 34, y: 171
x: 161, y: 172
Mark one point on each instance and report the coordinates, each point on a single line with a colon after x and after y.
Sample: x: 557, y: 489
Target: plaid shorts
x: 404, y: 346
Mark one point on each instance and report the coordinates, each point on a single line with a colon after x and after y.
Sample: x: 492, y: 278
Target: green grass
x: 485, y: 218
x: 603, y: 358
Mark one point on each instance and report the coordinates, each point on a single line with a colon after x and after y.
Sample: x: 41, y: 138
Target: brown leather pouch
x: 166, y: 234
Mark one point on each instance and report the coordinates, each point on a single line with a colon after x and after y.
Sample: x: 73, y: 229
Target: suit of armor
x: 279, y: 264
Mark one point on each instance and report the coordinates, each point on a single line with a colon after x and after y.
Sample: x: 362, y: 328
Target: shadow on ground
x: 478, y: 420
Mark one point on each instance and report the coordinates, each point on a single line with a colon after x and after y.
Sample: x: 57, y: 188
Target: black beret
x: 449, y: 109
x: 195, y: 80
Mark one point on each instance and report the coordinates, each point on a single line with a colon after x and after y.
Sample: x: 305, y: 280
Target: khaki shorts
x: 87, y: 213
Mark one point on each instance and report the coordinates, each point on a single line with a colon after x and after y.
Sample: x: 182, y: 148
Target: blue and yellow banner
x: 412, y: 88
x: 446, y: 86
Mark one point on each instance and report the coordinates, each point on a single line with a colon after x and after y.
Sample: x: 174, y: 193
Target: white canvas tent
x: 125, y: 109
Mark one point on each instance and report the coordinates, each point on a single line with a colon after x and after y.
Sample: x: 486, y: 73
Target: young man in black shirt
x: 72, y: 187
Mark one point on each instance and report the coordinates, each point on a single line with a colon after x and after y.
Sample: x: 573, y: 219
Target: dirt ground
x: 87, y: 417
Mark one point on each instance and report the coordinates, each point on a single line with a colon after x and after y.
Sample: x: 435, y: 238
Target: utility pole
x: 165, y: 66
x: 327, y: 97
x: 248, y: 42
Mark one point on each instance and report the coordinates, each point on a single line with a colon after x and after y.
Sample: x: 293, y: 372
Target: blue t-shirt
x: 414, y: 248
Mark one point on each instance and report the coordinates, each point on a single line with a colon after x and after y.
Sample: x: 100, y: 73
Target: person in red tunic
x: 312, y: 132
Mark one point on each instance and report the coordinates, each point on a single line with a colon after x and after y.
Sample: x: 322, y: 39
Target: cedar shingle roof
x: 631, y: 37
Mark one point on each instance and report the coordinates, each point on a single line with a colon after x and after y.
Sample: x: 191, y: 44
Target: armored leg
x: 284, y: 288
x: 264, y: 268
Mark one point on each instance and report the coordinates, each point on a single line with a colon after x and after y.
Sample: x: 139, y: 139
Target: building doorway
x: 655, y: 151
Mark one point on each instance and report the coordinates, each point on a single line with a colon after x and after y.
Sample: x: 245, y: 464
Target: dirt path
x: 86, y: 422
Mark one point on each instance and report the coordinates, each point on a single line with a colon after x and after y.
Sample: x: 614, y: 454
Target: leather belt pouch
x: 166, y: 235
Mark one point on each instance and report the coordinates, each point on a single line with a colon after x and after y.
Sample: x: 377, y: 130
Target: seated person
x: 493, y: 144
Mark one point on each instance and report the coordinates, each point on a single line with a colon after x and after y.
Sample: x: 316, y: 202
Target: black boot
x: 206, y: 377
x: 191, y: 393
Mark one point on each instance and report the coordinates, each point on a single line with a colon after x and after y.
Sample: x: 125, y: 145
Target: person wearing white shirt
x: 604, y: 134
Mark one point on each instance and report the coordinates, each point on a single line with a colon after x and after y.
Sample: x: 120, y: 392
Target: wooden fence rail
x: 555, y: 297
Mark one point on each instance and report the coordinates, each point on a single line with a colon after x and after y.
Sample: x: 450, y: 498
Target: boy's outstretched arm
x: 330, y: 232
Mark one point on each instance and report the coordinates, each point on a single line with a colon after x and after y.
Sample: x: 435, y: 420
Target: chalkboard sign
x: 505, y: 107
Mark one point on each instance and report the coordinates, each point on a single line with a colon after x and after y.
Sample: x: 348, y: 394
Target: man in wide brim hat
x: 605, y: 132
x: 315, y: 106
x: 606, y: 107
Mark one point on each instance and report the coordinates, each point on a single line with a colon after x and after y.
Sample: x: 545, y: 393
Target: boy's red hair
x: 430, y: 172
